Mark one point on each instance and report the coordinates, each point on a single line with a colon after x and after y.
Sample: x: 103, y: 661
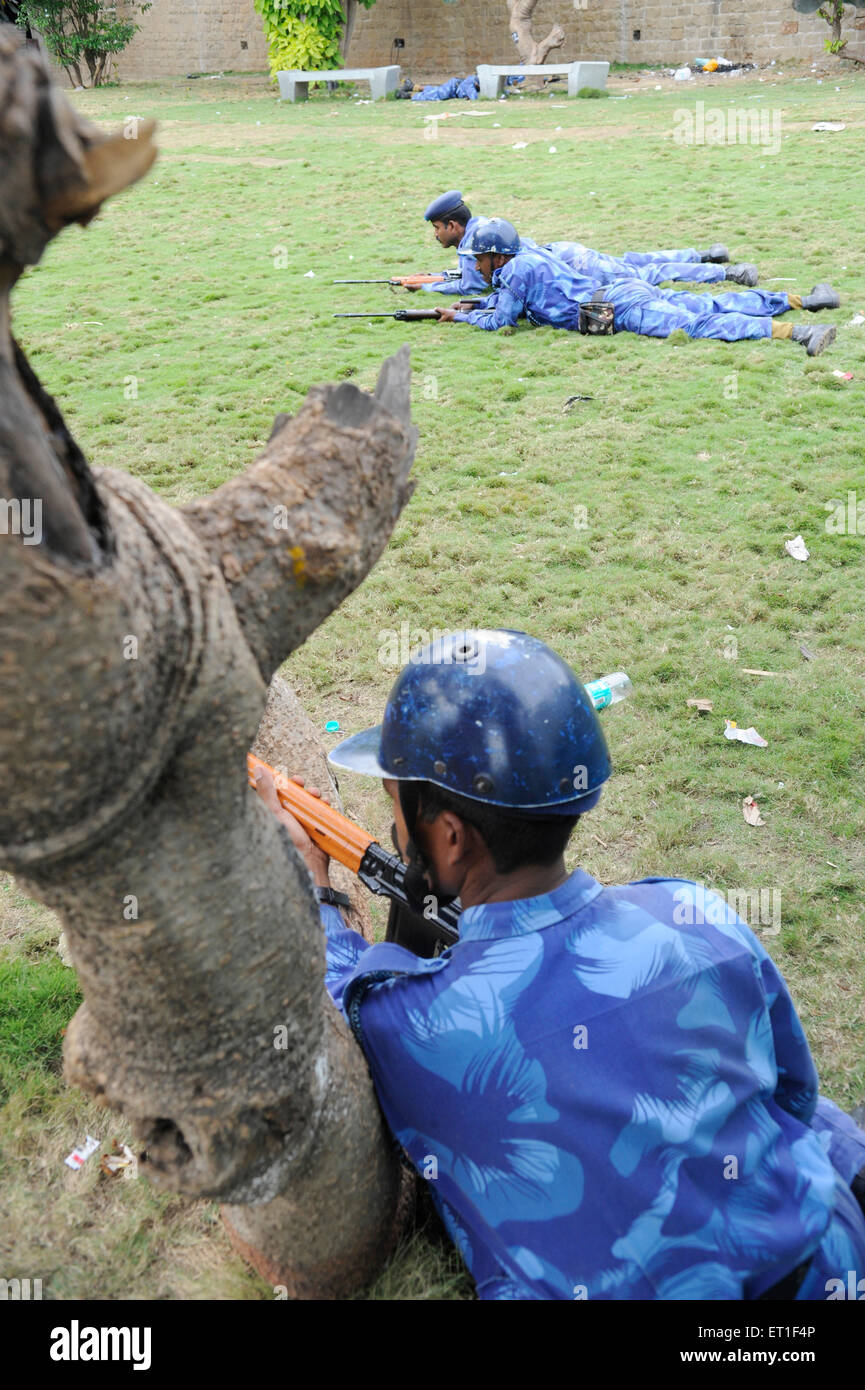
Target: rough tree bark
x: 531, y: 50
x: 288, y: 740
x: 349, y: 8
x: 138, y: 643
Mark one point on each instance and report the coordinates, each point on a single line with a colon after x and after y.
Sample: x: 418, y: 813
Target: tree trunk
x: 350, y: 11
x: 531, y: 51
x: 288, y: 740
x: 138, y: 644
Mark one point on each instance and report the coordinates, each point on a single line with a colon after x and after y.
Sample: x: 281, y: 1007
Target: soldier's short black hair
x: 512, y: 838
x: 460, y: 214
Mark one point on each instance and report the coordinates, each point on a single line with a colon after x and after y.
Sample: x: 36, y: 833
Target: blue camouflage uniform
x: 652, y: 266
x: 538, y: 286
x: 612, y: 1096
x: 462, y: 87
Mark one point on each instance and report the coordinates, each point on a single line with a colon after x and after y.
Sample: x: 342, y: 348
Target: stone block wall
x: 453, y: 38
x: 180, y: 36
x: 443, y: 39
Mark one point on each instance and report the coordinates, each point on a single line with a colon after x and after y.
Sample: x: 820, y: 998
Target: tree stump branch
x: 531, y: 50
x: 138, y: 643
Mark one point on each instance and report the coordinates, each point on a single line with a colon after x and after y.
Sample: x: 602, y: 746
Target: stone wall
x: 441, y: 39
x: 453, y: 38
x: 180, y: 36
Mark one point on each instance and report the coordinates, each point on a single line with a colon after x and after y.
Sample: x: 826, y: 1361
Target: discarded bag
x: 751, y: 811
x: 751, y: 736
x: 797, y: 549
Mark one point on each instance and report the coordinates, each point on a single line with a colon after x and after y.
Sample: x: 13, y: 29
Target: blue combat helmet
x: 492, y: 715
x: 492, y: 234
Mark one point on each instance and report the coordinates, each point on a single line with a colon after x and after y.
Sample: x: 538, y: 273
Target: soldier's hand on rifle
x: 315, y: 859
x: 445, y: 315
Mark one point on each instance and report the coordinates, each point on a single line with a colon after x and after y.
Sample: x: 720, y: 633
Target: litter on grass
x: 733, y: 731
x: 520, y: 145
x: 856, y: 321
x: 751, y: 811
x: 82, y: 1152
x: 829, y: 125
x: 807, y: 653
x: 843, y: 376
x: 309, y: 275
x: 702, y: 706
x: 121, y: 1160
x: 571, y: 402
x: 797, y: 548
x: 332, y: 726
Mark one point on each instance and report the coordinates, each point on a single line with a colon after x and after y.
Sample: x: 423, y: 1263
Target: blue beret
x: 441, y: 208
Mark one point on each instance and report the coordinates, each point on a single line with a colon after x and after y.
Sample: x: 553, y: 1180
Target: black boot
x: 716, y: 254
x: 815, y: 337
x: 743, y: 274
x: 821, y: 297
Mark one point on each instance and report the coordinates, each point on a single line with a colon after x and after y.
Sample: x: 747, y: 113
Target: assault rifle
x: 412, y: 315
x: 407, y: 282
x: 421, y: 923
x: 414, y: 924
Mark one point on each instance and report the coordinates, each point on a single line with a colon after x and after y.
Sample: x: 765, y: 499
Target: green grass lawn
x: 642, y: 530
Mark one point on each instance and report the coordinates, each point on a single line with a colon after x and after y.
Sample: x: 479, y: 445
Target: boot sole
x: 817, y: 345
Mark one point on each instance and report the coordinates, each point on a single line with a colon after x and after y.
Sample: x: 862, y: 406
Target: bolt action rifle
x: 407, y: 282
x: 425, y: 927
x: 412, y: 315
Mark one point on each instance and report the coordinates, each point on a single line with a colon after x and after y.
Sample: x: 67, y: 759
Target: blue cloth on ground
x: 464, y: 87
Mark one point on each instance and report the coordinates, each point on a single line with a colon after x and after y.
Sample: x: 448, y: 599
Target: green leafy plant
x: 301, y: 45
x: 833, y: 13
x: 305, y: 34
x: 81, y: 35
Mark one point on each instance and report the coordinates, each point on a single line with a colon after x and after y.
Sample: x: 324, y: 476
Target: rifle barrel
x: 410, y: 315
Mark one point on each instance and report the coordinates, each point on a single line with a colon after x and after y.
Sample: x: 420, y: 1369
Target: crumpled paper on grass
x: 797, y: 548
x: 733, y: 731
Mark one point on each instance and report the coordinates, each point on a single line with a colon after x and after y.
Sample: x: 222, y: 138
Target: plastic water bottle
x: 609, y: 690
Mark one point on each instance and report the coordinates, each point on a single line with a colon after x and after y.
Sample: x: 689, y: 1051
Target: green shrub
x: 303, y: 34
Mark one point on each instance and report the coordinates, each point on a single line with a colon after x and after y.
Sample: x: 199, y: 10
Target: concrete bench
x: 491, y: 77
x: 294, y: 85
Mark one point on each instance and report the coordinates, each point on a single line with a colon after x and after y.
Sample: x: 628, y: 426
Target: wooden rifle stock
x: 329, y: 829
x: 379, y: 871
